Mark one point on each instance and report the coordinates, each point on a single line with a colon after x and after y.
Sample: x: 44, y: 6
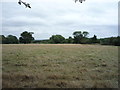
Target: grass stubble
x: 59, y: 66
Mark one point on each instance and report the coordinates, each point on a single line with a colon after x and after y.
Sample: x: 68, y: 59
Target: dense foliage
x: 10, y: 39
x: 26, y: 37
x: 57, y: 39
x: 78, y: 38
x: 111, y: 41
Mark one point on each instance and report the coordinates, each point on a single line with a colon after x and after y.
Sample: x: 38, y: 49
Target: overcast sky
x: 51, y: 17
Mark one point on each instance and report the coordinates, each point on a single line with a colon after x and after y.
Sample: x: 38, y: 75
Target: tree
x: 57, y: 39
x: 116, y: 41
x: 26, y: 37
x: 70, y: 40
x: 85, y: 34
x: 3, y: 39
x: 94, y: 39
x: 77, y: 36
x: 110, y: 41
x: 10, y: 39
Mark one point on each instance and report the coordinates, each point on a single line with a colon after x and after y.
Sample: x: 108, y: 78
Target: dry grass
x: 56, y: 65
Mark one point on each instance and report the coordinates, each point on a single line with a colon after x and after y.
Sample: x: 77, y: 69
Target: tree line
x: 26, y: 37
x: 78, y: 38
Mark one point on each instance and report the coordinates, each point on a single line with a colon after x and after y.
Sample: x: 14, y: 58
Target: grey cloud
x: 60, y: 17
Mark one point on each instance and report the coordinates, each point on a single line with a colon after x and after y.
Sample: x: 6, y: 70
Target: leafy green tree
x: 116, y: 41
x: 110, y: 41
x: 85, y: 41
x: 70, y: 40
x: 57, y: 39
x: 94, y: 39
x: 3, y: 39
x: 26, y: 37
x: 10, y: 39
x: 85, y: 34
x: 77, y: 36
x: 0, y: 39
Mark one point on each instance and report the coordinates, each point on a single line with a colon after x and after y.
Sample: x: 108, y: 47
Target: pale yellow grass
x: 60, y: 65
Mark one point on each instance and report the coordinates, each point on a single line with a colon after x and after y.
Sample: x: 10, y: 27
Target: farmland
x: 59, y: 66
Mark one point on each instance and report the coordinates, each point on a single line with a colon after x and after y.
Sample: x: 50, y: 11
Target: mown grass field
x: 59, y: 66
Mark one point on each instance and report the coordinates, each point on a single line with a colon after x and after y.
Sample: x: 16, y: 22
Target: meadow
x: 59, y: 66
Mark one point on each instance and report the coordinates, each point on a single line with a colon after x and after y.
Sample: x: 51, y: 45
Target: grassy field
x: 59, y: 66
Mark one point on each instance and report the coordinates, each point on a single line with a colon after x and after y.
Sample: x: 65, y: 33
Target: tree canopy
x: 11, y: 39
x: 3, y: 39
x: 78, y: 36
x: 57, y: 39
x: 94, y: 39
x: 26, y: 37
x: 85, y: 34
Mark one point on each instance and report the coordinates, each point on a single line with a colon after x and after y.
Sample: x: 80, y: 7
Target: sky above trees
x: 49, y: 17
